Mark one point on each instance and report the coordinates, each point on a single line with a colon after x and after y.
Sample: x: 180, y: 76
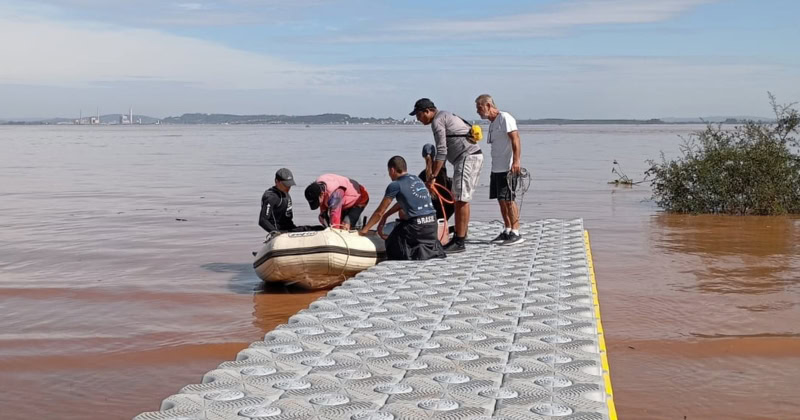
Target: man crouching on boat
x: 415, y: 237
x: 340, y: 200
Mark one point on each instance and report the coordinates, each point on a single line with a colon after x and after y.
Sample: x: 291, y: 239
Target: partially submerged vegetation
x: 753, y: 168
x: 622, y: 178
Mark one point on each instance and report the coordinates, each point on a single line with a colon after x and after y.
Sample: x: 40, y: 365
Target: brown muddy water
x: 125, y: 265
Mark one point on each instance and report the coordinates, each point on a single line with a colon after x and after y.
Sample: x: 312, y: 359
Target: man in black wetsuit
x: 276, y: 204
x: 446, y: 211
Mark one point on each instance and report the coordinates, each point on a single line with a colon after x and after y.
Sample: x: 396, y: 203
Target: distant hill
x: 722, y: 120
x: 716, y: 119
x: 104, y: 119
x: 560, y: 121
x: 333, y: 118
x: 275, y: 119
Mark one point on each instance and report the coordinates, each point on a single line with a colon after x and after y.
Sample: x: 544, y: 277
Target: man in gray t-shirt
x: 451, y: 135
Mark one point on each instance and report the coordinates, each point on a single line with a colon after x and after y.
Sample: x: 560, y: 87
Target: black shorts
x: 499, y: 188
x: 415, y: 239
x: 352, y: 215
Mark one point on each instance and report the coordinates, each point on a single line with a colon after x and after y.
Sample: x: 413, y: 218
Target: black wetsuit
x: 276, y: 211
x: 442, y: 179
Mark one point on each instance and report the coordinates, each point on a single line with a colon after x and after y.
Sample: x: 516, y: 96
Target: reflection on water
x: 748, y: 255
x: 243, y: 279
x: 126, y: 264
x: 274, y: 303
x: 719, y: 236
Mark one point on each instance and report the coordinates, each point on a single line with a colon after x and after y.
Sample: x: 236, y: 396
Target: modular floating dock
x: 493, y: 333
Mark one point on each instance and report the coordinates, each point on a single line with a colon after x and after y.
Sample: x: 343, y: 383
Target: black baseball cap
x: 429, y: 150
x: 422, y: 105
x: 312, y: 193
x: 285, y: 177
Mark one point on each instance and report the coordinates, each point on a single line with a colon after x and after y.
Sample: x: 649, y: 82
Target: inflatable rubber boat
x: 315, y: 260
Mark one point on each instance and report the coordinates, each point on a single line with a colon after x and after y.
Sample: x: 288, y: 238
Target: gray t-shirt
x: 446, y: 124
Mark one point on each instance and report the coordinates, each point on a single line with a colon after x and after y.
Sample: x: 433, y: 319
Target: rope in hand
x: 437, y: 190
x: 519, y: 184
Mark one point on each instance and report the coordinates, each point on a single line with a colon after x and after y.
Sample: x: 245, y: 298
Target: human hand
x: 515, y: 167
x: 363, y: 232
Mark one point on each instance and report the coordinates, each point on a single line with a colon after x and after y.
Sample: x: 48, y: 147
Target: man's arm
x: 440, y: 138
x: 335, y: 207
x: 395, y: 208
x: 290, y: 220
x: 437, y: 167
x: 267, y: 217
x: 376, y: 215
x: 516, y: 149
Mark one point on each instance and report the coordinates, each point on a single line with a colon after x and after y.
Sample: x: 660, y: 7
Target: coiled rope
x: 519, y: 184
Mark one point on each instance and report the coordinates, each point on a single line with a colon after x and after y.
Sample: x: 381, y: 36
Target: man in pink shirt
x: 340, y: 200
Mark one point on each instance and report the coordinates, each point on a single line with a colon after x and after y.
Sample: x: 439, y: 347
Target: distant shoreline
x: 344, y: 119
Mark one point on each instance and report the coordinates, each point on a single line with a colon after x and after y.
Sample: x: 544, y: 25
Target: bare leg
x: 504, y: 212
x: 462, y: 218
x: 513, y: 214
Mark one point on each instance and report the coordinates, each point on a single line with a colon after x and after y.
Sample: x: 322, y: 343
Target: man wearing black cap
x: 340, y: 200
x: 276, y: 204
x: 452, y: 134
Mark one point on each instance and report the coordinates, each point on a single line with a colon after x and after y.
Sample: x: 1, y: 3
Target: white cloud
x: 168, y: 12
x: 52, y: 66
x: 593, y: 86
x: 531, y: 87
x: 551, y: 21
x: 193, y: 6
x: 38, y: 51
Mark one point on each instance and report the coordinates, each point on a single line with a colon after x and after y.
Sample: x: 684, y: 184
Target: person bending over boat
x: 276, y: 204
x: 444, y: 208
x: 452, y: 135
x: 340, y: 200
x: 415, y: 237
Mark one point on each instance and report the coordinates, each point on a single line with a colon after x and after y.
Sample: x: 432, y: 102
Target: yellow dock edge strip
x: 612, y: 410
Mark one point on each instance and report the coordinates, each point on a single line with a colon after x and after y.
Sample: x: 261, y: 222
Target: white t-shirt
x: 502, y: 154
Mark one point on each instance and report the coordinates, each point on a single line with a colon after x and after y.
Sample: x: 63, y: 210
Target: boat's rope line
x: 347, y: 246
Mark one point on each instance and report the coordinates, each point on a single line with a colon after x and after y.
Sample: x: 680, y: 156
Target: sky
x: 538, y: 59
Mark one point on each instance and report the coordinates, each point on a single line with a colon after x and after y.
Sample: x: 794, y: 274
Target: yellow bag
x: 475, y: 134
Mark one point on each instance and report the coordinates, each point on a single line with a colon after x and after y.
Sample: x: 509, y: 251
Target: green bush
x: 751, y: 169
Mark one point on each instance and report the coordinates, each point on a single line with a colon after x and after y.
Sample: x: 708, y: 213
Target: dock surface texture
x: 496, y: 332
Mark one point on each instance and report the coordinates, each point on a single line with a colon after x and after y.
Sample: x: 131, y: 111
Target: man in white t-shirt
x: 506, y: 151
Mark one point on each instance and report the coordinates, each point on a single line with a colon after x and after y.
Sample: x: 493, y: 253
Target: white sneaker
x: 513, y: 239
